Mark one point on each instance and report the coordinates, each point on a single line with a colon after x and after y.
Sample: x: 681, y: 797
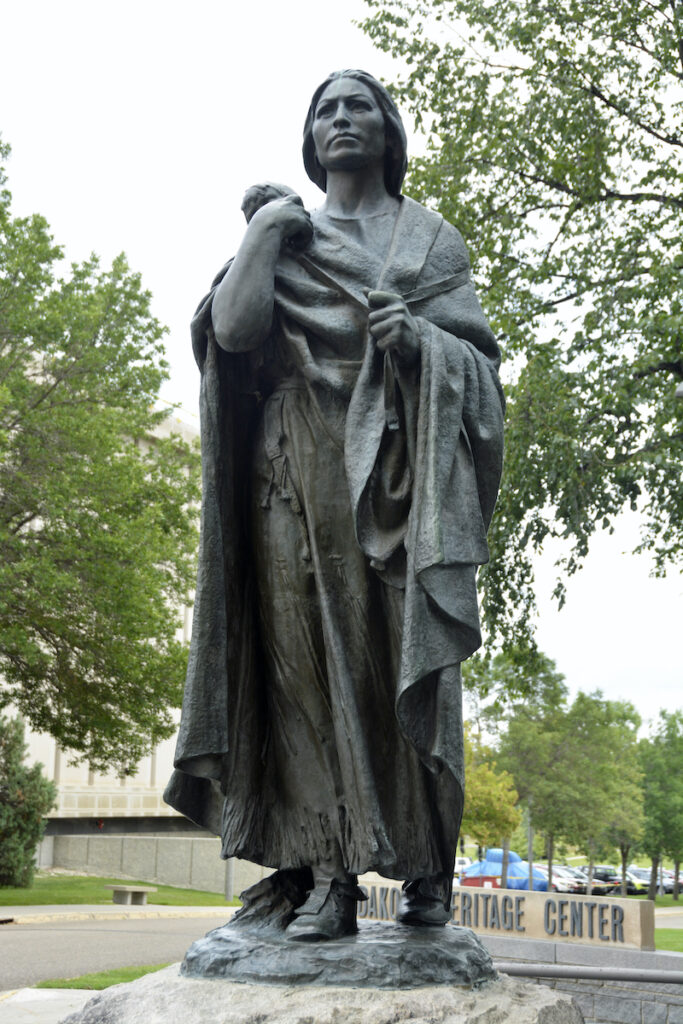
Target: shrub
x: 26, y: 796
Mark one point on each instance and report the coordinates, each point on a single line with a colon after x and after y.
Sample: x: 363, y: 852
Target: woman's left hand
x: 393, y: 327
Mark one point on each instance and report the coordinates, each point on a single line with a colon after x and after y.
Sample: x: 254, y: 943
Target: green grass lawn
x: 670, y: 939
x: 68, y: 889
x: 667, y: 900
x: 663, y: 900
x: 101, y: 979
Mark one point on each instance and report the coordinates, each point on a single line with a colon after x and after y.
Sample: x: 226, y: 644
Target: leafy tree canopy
x: 554, y: 141
x: 575, y: 766
x: 97, y: 528
x: 661, y: 758
x: 495, y: 684
x: 490, y: 814
x: 605, y: 765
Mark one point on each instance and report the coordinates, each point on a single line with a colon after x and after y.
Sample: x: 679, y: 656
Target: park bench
x: 135, y: 894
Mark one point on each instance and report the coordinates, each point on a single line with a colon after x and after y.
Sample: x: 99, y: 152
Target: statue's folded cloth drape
x: 422, y: 455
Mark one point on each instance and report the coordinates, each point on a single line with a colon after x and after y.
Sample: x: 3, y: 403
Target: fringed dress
x: 346, y: 502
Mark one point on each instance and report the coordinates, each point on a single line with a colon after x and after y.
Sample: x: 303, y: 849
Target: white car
x: 563, y: 881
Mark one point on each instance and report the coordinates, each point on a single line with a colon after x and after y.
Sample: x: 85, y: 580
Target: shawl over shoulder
x: 441, y: 424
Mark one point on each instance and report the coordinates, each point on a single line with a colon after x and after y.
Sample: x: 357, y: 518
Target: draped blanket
x: 423, y: 457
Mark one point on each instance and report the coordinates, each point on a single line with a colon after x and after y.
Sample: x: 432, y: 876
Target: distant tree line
x: 578, y: 769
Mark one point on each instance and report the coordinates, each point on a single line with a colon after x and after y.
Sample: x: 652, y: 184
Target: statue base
x: 168, y: 997
x: 378, y: 956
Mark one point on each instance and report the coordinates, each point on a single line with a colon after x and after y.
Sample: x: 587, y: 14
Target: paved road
x: 35, y: 952
x: 669, y: 920
x: 66, y: 949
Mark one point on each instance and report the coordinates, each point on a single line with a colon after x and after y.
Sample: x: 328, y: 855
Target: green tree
x: 625, y: 825
x: 97, y: 521
x: 576, y: 768
x: 490, y: 814
x: 26, y: 796
x: 661, y: 759
x: 553, y: 140
x: 605, y: 766
x: 536, y: 750
x: 494, y: 684
x: 655, y: 790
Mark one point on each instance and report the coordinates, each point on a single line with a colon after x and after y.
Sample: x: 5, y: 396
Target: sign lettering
x: 598, y: 920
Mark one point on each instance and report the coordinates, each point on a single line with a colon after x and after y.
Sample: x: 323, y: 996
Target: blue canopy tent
x: 518, y: 871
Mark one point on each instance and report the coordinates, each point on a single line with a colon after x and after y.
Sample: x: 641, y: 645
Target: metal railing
x: 578, y: 972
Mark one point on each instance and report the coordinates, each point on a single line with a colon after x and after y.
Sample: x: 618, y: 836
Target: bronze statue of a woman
x: 352, y: 426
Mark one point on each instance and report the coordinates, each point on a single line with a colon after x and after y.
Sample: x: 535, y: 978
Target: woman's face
x: 348, y: 127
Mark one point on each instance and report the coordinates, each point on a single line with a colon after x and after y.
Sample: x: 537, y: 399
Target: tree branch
x: 637, y: 197
x: 24, y: 521
x: 594, y: 90
x: 675, y: 367
x: 672, y: 4
x: 608, y: 194
x: 590, y: 86
x: 645, y: 450
x: 658, y: 10
x: 558, y: 302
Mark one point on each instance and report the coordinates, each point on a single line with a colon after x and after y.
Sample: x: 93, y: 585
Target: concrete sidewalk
x: 51, y: 1005
x: 41, y: 1005
x: 105, y: 911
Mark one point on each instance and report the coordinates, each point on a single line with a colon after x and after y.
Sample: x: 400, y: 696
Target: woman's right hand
x: 242, y: 309
x: 287, y: 217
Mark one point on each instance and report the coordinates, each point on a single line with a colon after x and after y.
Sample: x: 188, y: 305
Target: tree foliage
x: 495, y: 683
x: 661, y: 758
x: 26, y: 796
x: 606, y: 768
x: 97, y: 528
x: 490, y: 814
x: 575, y: 766
x: 554, y: 141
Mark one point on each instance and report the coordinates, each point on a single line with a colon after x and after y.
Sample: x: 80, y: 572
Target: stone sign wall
x: 559, y: 917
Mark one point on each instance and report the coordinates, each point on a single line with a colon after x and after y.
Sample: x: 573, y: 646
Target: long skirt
x: 338, y: 769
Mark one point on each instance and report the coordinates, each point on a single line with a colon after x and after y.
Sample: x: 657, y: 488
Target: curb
x: 120, y: 915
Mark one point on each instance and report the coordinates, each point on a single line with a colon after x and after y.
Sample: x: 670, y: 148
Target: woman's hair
x: 395, y: 154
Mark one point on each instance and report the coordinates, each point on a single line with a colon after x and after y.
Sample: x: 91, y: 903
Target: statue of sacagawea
x: 352, y: 446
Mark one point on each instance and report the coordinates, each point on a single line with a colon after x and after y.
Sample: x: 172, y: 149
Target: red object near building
x: 482, y: 881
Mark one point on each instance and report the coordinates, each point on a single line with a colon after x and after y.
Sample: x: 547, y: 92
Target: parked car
x: 642, y: 873
x: 605, y: 878
x: 635, y: 886
x: 579, y: 877
x: 665, y: 882
x: 461, y: 863
x: 563, y: 880
x: 669, y: 880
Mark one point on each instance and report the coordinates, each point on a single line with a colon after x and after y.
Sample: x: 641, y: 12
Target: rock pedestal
x: 385, y: 973
x: 168, y: 997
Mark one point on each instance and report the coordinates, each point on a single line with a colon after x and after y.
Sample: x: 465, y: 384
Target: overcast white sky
x: 137, y: 126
